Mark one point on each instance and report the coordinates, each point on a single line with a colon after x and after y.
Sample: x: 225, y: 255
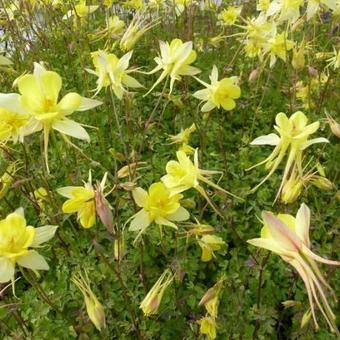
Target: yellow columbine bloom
x: 183, y: 138
x: 153, y: 299
x: 15, y: 240
x: 136, y: 29
x: 113, y: 30
x: 219, y: 92
x: 287, y: 10
x: 80, y: 10
x: 208, y: 327
x: 229, y: 16
x: 293, y: 139
x: 314, y: 5
x: 184, y: 174
x: 175, y: 60
x: 278, y: 47
x: 11, y: 124
x: 39, y: 93
x: 209, y: 244
x: 210, y: 300
x: 114, y: 72
x: 81, y: 200
x: 288, y: 237
x: 94, y: 308
x: 158, y: 205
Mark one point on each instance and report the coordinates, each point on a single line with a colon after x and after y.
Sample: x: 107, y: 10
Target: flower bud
x: 313, y: 71
x: 298, y: 60
x: 253, y: 75
x: 291, y: 190
x: 322, y: 183
x: 334, y: 125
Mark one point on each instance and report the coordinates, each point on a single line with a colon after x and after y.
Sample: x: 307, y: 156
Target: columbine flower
x: 288, y: 237
x: 183, y: 139
x: 113, y: 30
x: 94, y: 308
x: 175, y: 60
x: 208, y: 327
x: 113, y: 72
x: 153, y: 299
x: 298, y: 59
x: 11, y: 124
x: 210, y: 299
x: 15, y: 240
x: 137, y: 28
x: 229, y: 16
x: 38, y: 97
x: 334, y: 61
x: 184, y: 174
x: 278, y: 47
x: 314, y: 5
x: 294, y: 133
x: 209, y: 244
x: 288, y: 10
x: 158, y: 205
x: 219, y: 92
x: 80, y: 10
x: 81, y: 200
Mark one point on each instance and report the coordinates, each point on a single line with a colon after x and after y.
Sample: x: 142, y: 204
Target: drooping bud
x: 291, y: 190
x: 94, y: 308
x: 334, y: 125
x: 253, y: 75
x: 298, y: 60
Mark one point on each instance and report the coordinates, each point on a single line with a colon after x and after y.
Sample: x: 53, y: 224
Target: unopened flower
x: 7, y: 179
x: 114, y: 72
x: 41, y: 196
x: 81, y: 10
x: 174, y: 60
x: 298, y: 59
x: 209, y: 244
x: 16, y: 239
x: 288, y: 237
x: 208, y: 327
x: 94, y: 308
x: 153, y: 299
x: 293, y: 140
x: 158, y: 205
x: 334, y: 125
x: 210, y: 300
x: 183, y: 138
x: 219, y: 93
x: 113, y: 30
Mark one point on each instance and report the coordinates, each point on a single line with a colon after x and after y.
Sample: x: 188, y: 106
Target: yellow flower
x: 134, y: 4
x: 80, y: 10
x: 41, y: 196
x: 298, y: 59
x: 11, y: 124
x: 184, y: 174
x: 208, y: 327
x: 314, y: 5
x: 334, y: 61
x: 38, y: 98
x: 94, y: 308
x: 278, y: 47
x: 175, y: 60
x: 209, y: 244
x: 210, y: 300
x: 219, y: 92
x: 153, y: 299
x: 263, y: 5
x: 287, y: 10
x: 288, y: 237
x: 183, y: 138
x: 114, y: 28
x: 81, y: 200
x: 15, y: 240
x: 137, y: 28
x: 158, y: 205
x: 8, y: 178
x: 230, y: 15
x: 113, y: 72
x: 294, y: 133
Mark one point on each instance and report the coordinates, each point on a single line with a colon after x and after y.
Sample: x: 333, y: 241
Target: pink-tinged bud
x: 128, y: 186
x: 334, y: 125
x: 253, y: 75
x: 313, y: 71
x: 103, y: 210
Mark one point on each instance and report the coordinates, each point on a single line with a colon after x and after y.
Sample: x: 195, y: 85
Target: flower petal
x: 88, y: 104
x: 43, y: 234
x: 71, y: 128
x: 271, y: 139
x: 302, y: 224
x: 33, y: 260
x: 140, y: 196
x: 140, y: 221
x: 6, y: 269
x: 11, y: 102
x: 181, y: 214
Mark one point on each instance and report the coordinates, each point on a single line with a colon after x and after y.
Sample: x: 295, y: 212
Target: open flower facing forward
x: 288, y: 237
x: 175, y: 60
x: 16, y: 241
x: 219, y: 92
x: 278, y: 46
x: 114, y: 72
x: 158, y: 205
x: 81, y: 200
x: 153, y: 299
x: 293, y: 140
x: 39, y: 94
x: 229, y: 15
